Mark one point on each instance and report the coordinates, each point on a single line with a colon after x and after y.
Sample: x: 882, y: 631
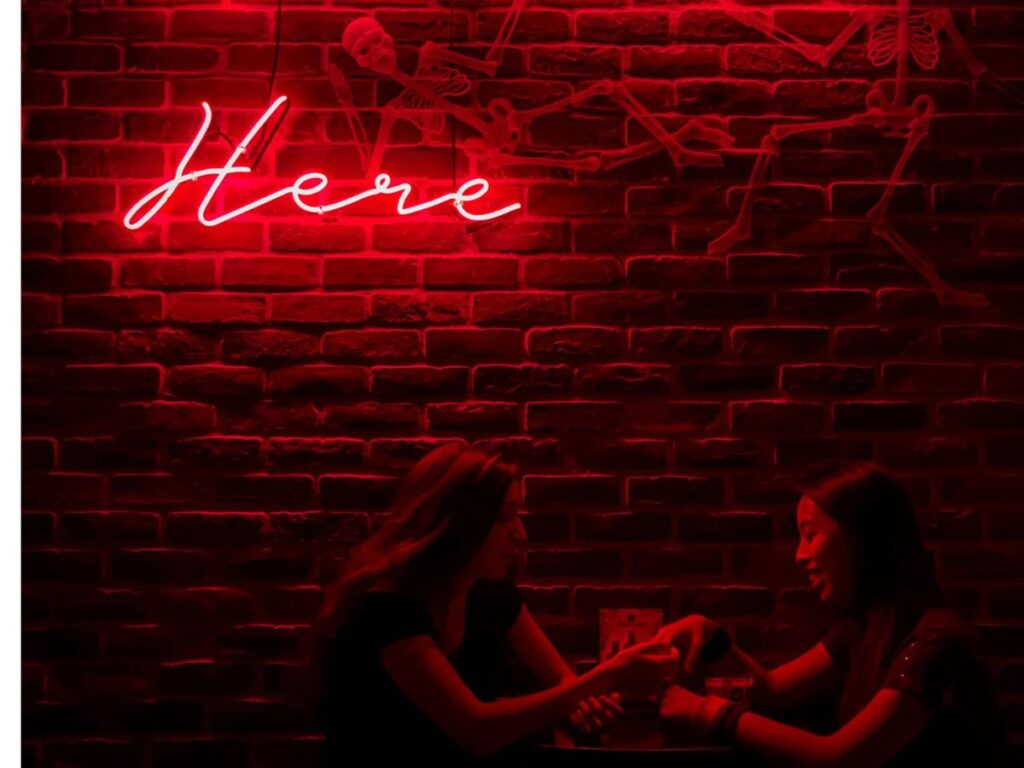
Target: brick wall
x: 213, y: 416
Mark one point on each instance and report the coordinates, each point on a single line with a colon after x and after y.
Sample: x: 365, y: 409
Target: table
x: 637, y: 739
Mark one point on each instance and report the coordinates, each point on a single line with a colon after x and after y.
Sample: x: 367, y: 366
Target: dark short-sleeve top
x: 941, y: 663
x: 368, y: 720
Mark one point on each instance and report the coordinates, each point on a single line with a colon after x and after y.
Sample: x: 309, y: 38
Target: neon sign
x: 304, y: 186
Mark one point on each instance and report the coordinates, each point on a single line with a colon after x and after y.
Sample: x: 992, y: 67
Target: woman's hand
x: 643, y: 669
x: 690, y: 634
x: 596, y: 713
x: 680, y: 704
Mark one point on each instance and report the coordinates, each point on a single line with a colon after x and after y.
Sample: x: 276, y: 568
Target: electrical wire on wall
x: 262, y: 140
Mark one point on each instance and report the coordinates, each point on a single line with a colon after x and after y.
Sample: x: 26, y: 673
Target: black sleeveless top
x: 368, y: 720
x: 941, y: 663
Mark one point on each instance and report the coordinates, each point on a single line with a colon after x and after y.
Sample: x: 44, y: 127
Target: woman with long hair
x: 910, y: 681
x: 412, y: 631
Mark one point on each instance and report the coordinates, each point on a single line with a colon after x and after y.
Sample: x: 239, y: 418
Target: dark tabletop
x: 637, y: 739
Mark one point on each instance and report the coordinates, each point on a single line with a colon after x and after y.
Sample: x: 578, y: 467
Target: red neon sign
x: 304, y: 186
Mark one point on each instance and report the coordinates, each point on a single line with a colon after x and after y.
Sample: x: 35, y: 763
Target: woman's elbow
x: 478, y: 738
x: 480, y: 746
x: 827, y: 752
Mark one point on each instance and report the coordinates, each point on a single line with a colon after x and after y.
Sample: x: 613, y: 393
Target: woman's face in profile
x: 504, y: 545
x: 826, y: 553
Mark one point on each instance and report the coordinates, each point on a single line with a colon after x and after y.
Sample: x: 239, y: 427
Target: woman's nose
x: 801, y: 554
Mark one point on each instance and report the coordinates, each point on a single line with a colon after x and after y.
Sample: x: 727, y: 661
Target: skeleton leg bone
x: 610, y: 159
x: 740, y: 230
x: 880, y: 225
x: 680, y: 156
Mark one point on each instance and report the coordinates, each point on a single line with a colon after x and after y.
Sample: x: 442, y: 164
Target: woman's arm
x: 879, y: 731
x: 535, y: 650
x: 425, y: 675
x: 532, y: 646
x: 793, y: 683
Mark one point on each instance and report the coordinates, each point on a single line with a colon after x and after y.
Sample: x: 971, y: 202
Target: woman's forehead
x: 807, y: 510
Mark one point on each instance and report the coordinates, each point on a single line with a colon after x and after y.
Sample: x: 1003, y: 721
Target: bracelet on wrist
x: 726, y: 722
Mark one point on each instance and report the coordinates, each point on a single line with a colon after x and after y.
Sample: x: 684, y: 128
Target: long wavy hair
x: 443, y: 512
x: 894, y: 581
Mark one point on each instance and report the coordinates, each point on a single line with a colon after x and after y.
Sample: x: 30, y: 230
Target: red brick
x: 470, y: 272
x: 439, y: 237
x: 205, y: 381
x: 827, y: 379
x: 373, y: 418
x: 403, y: 382
x: 373, y: 346
x: 266, y: 491
x: 159, y: 57
x: 318, y: 308
x: 625, y: 379
x: 558, y: 491
x: 622, y: 454
x: 369, y: 272
x: 673, y: 343
x: 545, y: 418
x: 315, y: 381
x: 472, y: 345
x: 116, y: 92
x: 575, y: 343
x: 879, y: 417
x: 519, y: 309
x: 269, y: 272
x: 167, y: 273
x: 268, y: 346
x: 434, y: 308
x: 218, y: 25
x: 579, y: 563
x: 304, y: 453
x: 357, y: 491
x: 782, y: 342
x: 127, y: 24
x: 332, y: 238
x: 521, y: 381
x: 232, y: 453
x: 167, y: 417
x: 777, y: 416
x: 216, y: 309
x: 572, y: 272
x: 982, y: 415
x: 473, y: 417
x: 123, y: 380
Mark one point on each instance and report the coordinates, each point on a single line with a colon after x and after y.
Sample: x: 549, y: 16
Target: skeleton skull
x: 366, y: 41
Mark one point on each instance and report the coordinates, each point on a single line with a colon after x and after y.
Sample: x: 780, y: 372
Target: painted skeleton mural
x: 896, y: 34
x: 500, y: 128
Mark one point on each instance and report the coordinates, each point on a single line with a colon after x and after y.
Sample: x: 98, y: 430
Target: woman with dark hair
x: 411, y: 633
x: 911, y: 682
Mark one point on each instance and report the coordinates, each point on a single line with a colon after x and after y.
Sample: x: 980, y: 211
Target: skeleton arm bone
x: 501, y: 40
x: 431, y: 52
x: 811, y: 51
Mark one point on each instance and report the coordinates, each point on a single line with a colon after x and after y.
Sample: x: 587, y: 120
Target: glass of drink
x: 734, y: 688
